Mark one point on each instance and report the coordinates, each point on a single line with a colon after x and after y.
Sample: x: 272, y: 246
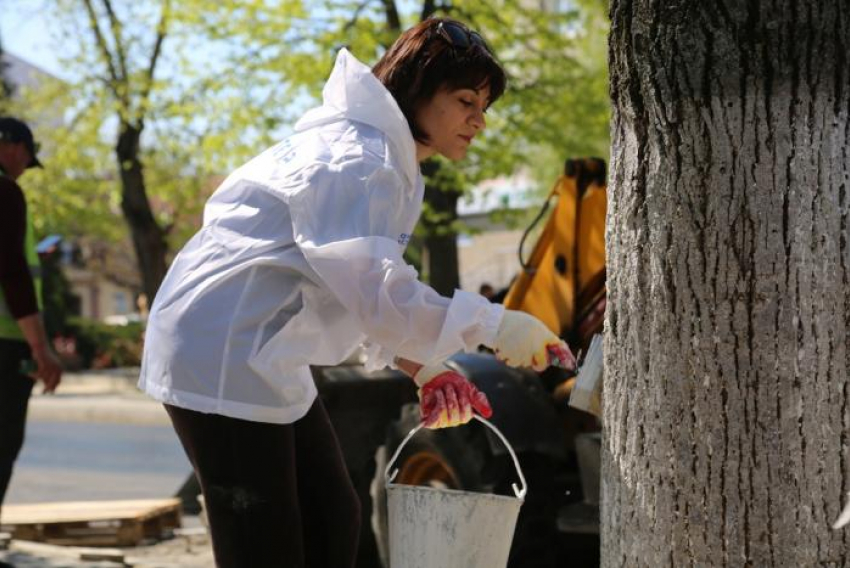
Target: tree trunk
x: 727, y: 427
x: 440, y: 234
x: 148, y: 237
x: 441, y: 242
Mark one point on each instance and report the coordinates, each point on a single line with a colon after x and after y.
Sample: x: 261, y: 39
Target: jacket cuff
x: 376, y: 357
x: 490, y: 323
x: 474, y: 318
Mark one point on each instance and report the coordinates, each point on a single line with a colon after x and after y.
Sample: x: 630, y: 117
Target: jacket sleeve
x: 344, y: 220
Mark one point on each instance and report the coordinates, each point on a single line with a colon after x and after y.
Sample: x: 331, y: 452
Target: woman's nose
x: 479, y: 120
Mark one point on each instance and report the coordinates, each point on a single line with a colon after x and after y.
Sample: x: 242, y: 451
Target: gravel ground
x: 191, y: 550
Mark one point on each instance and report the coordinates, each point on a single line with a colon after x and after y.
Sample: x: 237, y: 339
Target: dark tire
x: 451, y: 458
x: 536, y: 538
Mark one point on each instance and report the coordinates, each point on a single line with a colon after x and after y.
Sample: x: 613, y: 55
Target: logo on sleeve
x: 404, y: 239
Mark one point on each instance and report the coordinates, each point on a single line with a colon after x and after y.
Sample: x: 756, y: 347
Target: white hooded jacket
x: 299, y: 261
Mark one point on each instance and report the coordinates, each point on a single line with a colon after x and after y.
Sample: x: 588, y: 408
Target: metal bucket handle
x: 520, y: 493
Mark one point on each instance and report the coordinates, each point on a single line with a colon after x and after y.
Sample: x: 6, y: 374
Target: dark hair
x: 421, y: 62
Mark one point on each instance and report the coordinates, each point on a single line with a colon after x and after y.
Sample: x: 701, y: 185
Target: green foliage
x: 101, y: 346
x: 77, y: 192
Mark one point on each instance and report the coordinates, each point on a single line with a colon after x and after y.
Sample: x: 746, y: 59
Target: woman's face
x: 451, y: 119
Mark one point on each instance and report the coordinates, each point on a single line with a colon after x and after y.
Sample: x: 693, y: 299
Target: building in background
x: 20, y: 73
x: 104, y: 278
x: 493, y: 211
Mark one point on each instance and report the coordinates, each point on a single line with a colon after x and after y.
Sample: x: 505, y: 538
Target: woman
x: 299, y: 262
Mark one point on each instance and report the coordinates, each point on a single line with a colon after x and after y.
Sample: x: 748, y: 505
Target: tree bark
x: 148, y: 237
x: 441, y: 241
x: 727, y: 426
x: 391, y: 13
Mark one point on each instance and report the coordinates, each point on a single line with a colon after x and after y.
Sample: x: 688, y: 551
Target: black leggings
x: 276, y: 495
x: 15, y: 390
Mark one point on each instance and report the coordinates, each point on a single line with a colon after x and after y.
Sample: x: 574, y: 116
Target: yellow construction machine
x: 563, y: 281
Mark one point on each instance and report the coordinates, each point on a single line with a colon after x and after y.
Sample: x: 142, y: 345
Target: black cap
x: 16, y: 131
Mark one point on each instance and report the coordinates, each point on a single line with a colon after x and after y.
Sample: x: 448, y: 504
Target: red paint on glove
x: 449, y: 399
x: 560, y: 356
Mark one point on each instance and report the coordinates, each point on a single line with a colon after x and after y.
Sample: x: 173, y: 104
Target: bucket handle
x: 520, y: 493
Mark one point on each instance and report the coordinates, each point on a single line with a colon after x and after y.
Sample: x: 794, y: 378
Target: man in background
x: 25, y: 352
x: 487, y: 291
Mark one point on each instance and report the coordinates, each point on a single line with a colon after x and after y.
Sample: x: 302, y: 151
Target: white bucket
x: 445, y: 528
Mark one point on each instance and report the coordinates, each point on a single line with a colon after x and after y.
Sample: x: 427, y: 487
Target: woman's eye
x: 466, y: 103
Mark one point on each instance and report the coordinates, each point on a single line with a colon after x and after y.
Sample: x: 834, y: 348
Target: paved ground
x: 84, y: 461
x: 179, y: 552
x: 100, y: 438
x: 108, y: 396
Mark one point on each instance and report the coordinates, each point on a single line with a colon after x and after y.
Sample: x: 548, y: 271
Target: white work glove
x: 447, y: 398
x: 525, y: 341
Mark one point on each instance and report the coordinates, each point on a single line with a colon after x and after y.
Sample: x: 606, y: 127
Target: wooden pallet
x: 93, y: 523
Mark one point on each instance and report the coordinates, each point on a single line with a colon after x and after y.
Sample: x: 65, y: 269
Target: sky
x: 24, y: 32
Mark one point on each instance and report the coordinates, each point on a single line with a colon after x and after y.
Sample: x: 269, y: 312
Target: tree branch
x: 105, y: 53
x: 78, y: 115
x: 117, y: 36
x: 161, y: 31
x: 353, y: 21
x: 429, y: 7
x: 393, y: 21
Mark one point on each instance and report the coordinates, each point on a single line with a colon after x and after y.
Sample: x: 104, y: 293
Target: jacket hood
x: 353, y: 92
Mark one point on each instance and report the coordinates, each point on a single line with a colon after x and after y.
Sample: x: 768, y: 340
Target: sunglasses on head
x: 459, y: 36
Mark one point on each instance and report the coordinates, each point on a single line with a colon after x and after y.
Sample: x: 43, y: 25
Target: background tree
x: 104, y: 152
x: 116, y: 66
x: 726, y: 423
x: 5, y: 86
x: 129, y: 78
